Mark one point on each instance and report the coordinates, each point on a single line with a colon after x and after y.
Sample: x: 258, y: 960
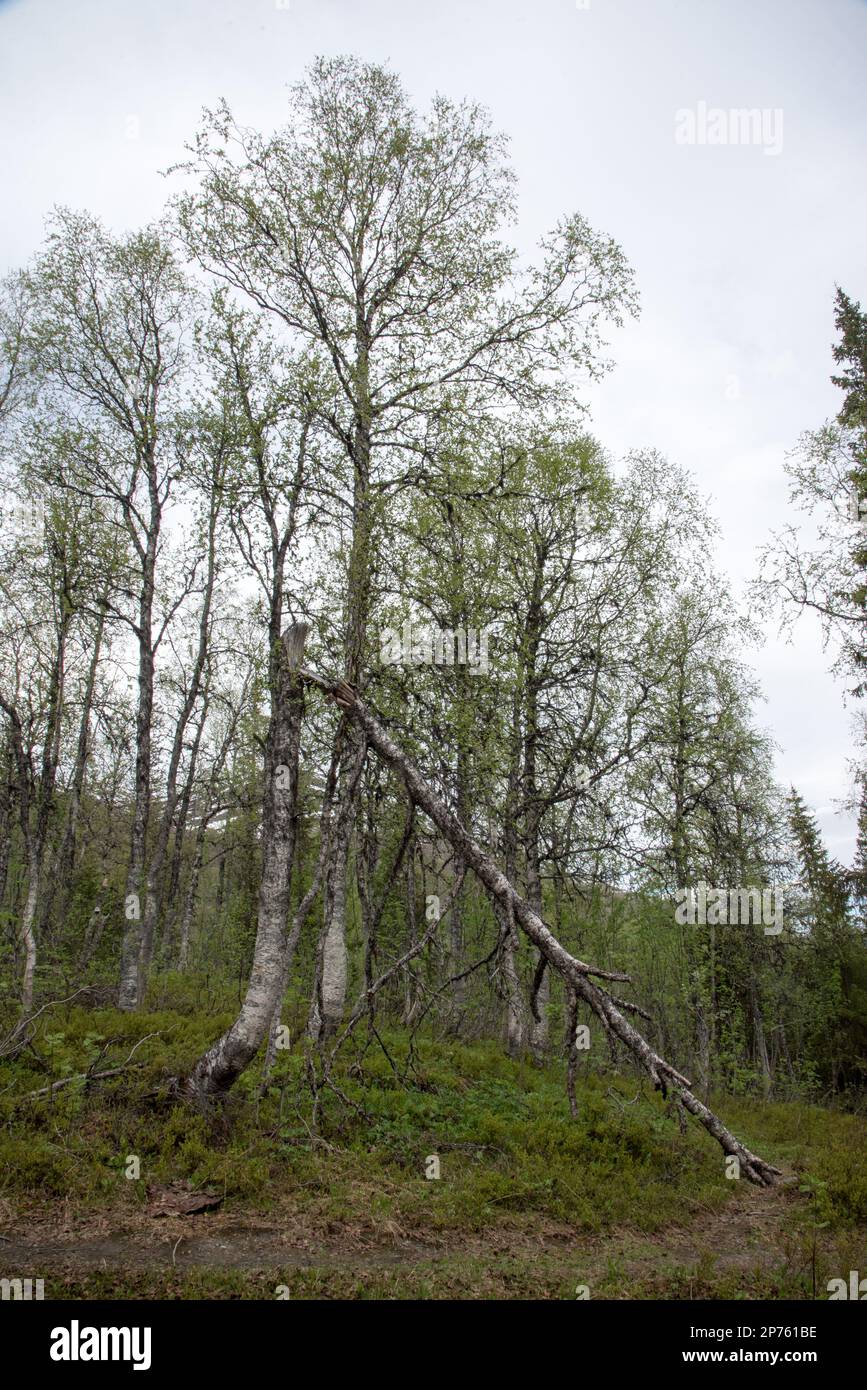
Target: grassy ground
x: 529, y: 1203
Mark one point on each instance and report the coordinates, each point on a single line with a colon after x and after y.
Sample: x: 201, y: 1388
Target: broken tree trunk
x: 576, y: 973
x: 224, y: 1062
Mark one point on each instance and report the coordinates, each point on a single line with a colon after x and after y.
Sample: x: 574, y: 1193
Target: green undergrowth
x: 530, y: 1276
x: 510, y: 1155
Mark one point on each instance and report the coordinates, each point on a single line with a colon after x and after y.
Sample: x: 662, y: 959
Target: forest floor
x: 528, y: 1204
x: 744, y: 1252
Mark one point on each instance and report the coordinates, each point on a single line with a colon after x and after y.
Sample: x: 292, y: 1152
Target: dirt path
x: 233, y: 1248
x: 743, y: 1235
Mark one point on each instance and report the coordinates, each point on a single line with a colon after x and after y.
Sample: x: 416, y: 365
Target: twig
x: 15, y: 1042
x: 91, y: 1075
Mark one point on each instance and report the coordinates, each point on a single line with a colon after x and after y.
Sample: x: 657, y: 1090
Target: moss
x: 511, y: 1157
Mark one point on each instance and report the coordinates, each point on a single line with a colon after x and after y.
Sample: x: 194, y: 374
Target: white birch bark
x: 575, y: 972
x: 224, y: 1062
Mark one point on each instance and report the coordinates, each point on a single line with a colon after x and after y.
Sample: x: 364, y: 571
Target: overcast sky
x: 736, y: 247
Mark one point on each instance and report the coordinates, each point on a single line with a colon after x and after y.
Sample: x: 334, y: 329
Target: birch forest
x: 391, y: 833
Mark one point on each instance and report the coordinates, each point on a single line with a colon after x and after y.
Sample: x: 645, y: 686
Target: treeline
x: 326, y: 390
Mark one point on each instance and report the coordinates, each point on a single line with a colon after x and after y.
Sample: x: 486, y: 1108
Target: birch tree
x: 109, y: 335
x: 376, y: 235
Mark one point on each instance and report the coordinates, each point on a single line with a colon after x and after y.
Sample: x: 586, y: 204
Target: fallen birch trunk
x: 575, y: 972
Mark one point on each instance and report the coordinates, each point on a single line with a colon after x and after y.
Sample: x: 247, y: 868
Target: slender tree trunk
x: 411, y: 938
x: 93, y: 931
x: 516, y: 1022
x: 182, y: 817
x: 209, y: 810
x: 28, y: 835
x: 329, y: 983
x: 28, y: 936
x: 541, y: 995
x: 61, y: 874
x: 154, y: 892
x: 759, y: 1042
x: 332, y: 990
x: 329, y: 1001
x: 191, y: 894
x: 34, y: 829
x: 456, y: 925
x: 224, y: 1062
x: 7, y: 801
x: 130, y: 951
x: 532, y: 809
